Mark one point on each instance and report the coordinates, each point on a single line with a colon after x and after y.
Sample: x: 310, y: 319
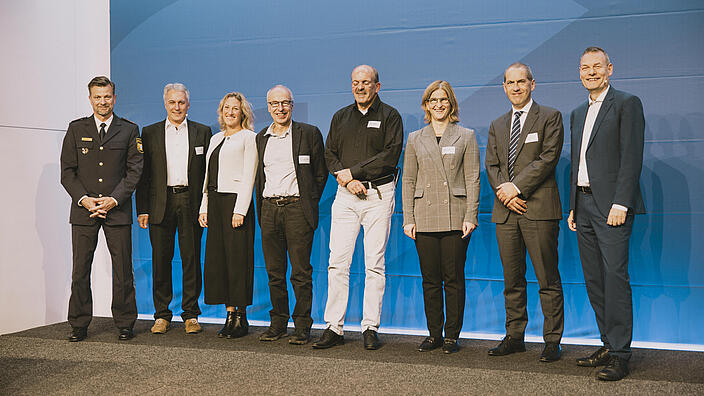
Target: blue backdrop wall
x: 657, y: 49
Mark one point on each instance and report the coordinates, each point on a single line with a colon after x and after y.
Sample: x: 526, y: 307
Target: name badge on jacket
x: 448, y: 150
x: 532, y: 137
x: 304, y: 159
x: 374, y: 124
x: 199, y: 150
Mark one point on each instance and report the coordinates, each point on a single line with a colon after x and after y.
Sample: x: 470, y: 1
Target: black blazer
x: 108, y: 168
x: 614, y: 154
x: 311, y: 177
x: 151, y: 191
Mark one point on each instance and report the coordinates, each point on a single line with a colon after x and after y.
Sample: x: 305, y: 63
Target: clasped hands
x: 344, y: 178
x: 98, y: 207
x: 237, y: 220
x: 508, y: 195
x: 467, y: 228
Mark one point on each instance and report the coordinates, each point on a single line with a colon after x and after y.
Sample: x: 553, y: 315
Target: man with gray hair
x: 291, y: 177
x: 168, y: 198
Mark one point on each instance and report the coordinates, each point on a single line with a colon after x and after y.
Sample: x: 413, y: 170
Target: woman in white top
x: 228, y: 212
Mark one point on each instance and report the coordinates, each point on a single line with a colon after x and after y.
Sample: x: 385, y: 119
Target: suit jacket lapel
x: 580, y: 116
x: 450, y: 136
x: 92, y: 130
x: 603, y: 110
x: 530, y: 121
x: 191, y: 142
x: 113, y: 130
x: 427, y: 137
x: 295, y: 142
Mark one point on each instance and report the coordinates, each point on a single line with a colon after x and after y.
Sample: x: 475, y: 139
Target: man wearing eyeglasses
x: 361, y: 151
x: 522, y: 152
x: 607, y: 156
x: 290, y: 179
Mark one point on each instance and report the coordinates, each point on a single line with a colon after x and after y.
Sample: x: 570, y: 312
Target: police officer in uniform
x: 101, y: 163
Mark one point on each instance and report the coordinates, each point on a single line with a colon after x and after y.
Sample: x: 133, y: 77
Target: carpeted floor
x: 41, y: 361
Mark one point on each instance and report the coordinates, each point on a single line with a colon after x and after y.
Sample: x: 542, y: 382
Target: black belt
x: 586, y: 190
x: 282, y: 201
x: 378, y: 182
x: 177, y: 189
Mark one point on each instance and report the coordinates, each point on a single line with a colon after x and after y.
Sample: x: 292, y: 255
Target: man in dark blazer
x: 290, y: 179
x: 168, y: 199
x: 101, y: 163
x: 522, y: 152
x: 607, y: 155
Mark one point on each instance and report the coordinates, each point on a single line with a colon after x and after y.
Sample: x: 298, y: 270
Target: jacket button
x: 445, y: 201
x: 443, y: 183
x: 100, y: 163
x: 100, y: 180
x: 428, y: 203
x: 100, y: 195
x: 451, y: 166
x: 427, y: 186
x: 101, y: 148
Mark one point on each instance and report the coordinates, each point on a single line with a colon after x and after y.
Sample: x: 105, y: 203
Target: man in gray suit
x: 523, y: 149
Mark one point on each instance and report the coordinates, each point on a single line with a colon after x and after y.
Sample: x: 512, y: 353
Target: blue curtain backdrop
x: 657, y: 49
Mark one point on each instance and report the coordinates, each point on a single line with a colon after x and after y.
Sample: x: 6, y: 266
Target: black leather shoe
x: 78, y: 334
x: 615, y: 370
x: 430, y: 343
x: 272, y: 334
x: 371, y: 340
x: 229, y: 325
x: 328, y: 340
x: 450, y: 346
x: 508, y: 346
x: 299, y: 337
x: 598, y: 358
x: 126, y: 333
x: 241, y: 327
x: 551, y: 352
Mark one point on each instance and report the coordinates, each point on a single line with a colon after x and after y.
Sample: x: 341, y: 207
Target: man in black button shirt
x: 361, y: 151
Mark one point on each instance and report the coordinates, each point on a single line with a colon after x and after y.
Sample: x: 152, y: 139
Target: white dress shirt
x: 176, y: 139
x: 237, y: 168
x: 592, y: 112
x: 524, y: 115
x: 279, y: 168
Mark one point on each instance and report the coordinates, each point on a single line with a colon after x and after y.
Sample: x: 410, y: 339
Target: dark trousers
x: 178, y: 215
x: 603, y: 250
x: 442, y: 257
x: 539, y: 238
x: 285, y: 229
x: 84, y: 239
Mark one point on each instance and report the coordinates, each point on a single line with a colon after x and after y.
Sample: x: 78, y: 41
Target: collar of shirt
x: 107, y: 122
x: 599, y: 98
x: 270, y: 131
x: 374, y: 106
x: 525, y: 109
x: 170, y: 124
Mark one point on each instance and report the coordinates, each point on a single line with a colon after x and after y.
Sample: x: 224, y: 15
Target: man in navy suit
x: 607, y: 156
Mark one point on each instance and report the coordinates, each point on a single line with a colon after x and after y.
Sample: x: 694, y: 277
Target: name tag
x: 448, y: 150
x: 374, y: 124
x: 86, y: 139
x: 532, y: 137
x: 199, y: 150
x: 304, y: 159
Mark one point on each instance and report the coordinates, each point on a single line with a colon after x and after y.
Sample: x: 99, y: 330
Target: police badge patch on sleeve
x: 139, y: 145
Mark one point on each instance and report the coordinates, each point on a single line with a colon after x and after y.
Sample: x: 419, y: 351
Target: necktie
x: 102, y: 131
x: 513, y: 143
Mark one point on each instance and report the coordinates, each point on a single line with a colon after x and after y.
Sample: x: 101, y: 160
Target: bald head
x: 279, y: 90
x: 280, y: 104
x: 366, y: 69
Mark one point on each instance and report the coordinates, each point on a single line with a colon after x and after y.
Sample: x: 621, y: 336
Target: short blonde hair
x: 246, y: 109
x: 445, y: 86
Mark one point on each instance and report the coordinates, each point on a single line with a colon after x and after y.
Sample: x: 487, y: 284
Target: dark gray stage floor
x: 40, y: 361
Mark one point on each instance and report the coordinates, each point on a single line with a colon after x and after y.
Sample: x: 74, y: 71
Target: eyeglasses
x: 285, y: 104
x: 436, y: 101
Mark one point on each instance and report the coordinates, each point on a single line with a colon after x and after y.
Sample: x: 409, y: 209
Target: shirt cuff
x: 81, y: 199
x: 116, y: 203
x: 516, y: 187
x: 619, y: 207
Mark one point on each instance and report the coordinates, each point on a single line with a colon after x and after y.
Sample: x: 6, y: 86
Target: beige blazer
x: 441, y: 181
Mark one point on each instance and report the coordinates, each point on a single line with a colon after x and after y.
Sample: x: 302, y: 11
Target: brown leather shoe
x: 161, y: 326
x: 192, y: 326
